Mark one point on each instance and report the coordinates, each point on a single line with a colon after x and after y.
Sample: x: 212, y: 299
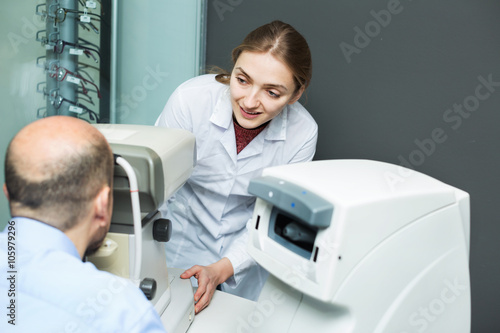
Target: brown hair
x: 283, y: 42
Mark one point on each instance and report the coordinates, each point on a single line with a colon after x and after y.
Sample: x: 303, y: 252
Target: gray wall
x: 410, y: 91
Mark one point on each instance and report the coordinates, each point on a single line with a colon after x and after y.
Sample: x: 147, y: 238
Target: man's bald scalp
x: 54, y: 167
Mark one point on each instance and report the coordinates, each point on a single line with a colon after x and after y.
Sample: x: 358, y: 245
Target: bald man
x: 58, y: 180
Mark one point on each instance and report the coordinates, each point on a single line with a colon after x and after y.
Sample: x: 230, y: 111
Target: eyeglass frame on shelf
x: 57, y: 13
x: 55, y: 73
x: 86, y: 50
x: 58, y: 100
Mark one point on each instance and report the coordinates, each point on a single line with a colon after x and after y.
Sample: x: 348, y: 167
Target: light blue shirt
x: 54, y: 291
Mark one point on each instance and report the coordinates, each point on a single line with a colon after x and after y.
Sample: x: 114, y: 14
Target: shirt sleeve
x: 150, y: 322
x: 239, y: 257
x: 176, y: 113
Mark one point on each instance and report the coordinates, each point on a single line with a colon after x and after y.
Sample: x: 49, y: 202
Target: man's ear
x: 5, y: 191
x: 102, y: 213
x: 297, y: 95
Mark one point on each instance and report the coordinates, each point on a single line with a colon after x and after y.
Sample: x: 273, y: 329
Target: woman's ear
x: 297, y: 95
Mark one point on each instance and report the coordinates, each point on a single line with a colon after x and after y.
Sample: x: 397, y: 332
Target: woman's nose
x: 251, y: 100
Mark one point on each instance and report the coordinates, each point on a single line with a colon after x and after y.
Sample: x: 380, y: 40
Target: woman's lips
x: 249, y: 115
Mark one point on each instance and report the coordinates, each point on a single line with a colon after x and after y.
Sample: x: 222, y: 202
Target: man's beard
x: 96, y: 242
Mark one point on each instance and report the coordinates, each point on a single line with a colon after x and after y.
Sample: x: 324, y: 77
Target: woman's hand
x: 209, y: 277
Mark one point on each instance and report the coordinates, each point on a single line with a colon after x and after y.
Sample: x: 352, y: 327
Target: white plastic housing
x: 394, y: 257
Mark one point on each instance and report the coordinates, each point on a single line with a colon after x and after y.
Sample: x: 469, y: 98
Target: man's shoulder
x: 61, y: 270
x: 83, y: 294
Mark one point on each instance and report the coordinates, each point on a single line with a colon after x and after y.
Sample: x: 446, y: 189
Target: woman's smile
x: 248, y: 114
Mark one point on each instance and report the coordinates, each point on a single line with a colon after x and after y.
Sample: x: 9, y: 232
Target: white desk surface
x: 223, y: 315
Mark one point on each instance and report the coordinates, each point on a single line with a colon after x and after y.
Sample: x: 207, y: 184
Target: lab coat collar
x: 221, y: 117
x: 276, y: 130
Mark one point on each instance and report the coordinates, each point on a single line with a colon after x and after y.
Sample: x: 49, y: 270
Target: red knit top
x: 245, y: 136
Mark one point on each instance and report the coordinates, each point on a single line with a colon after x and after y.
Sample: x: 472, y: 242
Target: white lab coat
x: 210, y: 212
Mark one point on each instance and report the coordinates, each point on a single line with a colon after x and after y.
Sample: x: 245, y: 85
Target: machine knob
x: 148, y: 287
x: 162, y: 230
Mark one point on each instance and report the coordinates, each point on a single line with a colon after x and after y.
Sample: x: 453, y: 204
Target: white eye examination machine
x: 359, y: 246
x: 152, y: 164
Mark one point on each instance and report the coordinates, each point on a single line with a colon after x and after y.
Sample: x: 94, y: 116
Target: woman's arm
x: 209, y: 277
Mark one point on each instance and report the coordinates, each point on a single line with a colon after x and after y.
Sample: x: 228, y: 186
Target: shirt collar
x: 276, y: 130
x: 42, y: 236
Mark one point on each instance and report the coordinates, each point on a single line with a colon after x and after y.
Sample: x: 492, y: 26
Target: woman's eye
x: 240, y: 80
x: 274, y: 95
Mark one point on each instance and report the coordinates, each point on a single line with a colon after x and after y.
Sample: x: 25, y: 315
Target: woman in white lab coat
x: 244, y: 121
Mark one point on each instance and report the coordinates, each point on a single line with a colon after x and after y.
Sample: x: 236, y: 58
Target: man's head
x: 59, y: 170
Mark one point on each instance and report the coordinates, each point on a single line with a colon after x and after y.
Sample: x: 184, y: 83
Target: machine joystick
x: 148, y: 287
x: 162, y: 230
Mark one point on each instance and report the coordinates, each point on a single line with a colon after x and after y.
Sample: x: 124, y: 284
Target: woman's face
x: 261, y: 86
